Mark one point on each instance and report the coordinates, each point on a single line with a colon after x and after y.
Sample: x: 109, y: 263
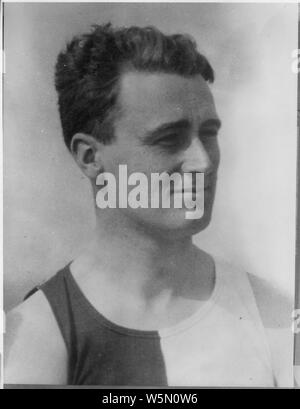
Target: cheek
x: 214, y: 152
x: 138, y: 159
x: 216, y: 157
x: 148, y: 161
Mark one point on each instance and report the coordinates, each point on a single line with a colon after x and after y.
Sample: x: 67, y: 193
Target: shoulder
x: 274, y: 305
x: 275, y: 309
x: 35, y: 352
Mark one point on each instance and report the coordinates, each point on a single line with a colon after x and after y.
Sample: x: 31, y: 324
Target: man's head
x: 138, y: 97
x: 88, y: 72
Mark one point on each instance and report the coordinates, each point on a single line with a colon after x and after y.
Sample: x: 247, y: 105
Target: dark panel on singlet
x: 100, y: 352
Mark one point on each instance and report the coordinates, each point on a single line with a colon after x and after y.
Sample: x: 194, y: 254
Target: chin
x: 193, y: 226
x: 174, y: 225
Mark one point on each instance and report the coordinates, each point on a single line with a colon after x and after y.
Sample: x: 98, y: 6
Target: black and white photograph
x: 149, y: 195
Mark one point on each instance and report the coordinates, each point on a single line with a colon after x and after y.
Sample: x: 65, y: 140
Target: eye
x: 168, y: 140
x: 172, y: 141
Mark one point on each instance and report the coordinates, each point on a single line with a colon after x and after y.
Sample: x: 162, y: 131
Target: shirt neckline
x: 159, y: 333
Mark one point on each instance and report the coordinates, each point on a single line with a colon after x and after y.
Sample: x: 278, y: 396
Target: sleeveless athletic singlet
x: 222, y: 344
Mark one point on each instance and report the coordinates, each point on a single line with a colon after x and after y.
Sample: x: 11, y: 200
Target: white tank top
x: 225, y: 338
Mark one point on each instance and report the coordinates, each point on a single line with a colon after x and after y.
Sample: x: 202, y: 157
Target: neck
x: 134, y: 257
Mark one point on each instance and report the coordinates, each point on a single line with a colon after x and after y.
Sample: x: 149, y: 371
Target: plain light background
x: 48, y: 208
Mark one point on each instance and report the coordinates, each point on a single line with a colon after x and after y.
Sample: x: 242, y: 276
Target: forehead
x: 157, y: 97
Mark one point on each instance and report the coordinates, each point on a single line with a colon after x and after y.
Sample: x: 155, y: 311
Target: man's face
x: 168, y: 123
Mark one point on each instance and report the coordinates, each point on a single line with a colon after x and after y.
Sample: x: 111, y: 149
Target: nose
x: 196, y: 158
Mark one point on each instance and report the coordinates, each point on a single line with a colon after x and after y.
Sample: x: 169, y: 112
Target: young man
x: 142, y: 305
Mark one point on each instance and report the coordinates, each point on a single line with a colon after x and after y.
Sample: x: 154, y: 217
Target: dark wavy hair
x: 88, y: 71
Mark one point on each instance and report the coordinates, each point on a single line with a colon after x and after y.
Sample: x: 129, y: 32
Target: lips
x: 190, y: 185
x: 193, y: 189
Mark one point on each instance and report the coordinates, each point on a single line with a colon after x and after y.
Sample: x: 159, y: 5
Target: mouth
x: 193, y: 190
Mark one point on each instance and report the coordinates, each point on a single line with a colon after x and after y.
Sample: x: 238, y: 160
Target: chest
x: 218, y: 350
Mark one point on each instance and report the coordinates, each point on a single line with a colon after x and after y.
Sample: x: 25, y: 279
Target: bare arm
x: 34, y: 350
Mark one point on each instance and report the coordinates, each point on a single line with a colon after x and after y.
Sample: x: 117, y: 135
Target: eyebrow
x: 182, y: 124
x: 211, y: 123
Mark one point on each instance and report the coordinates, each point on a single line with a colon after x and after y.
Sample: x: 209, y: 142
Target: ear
x: 86, y: 152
